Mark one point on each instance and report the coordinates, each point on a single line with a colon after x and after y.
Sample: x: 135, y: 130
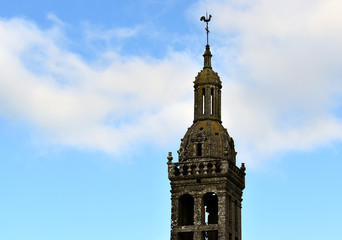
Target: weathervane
x: 207, y: 20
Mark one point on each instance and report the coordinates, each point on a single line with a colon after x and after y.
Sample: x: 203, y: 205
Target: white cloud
x: 74, y: 103
x: 284, y: 73
x: 279, y: 62
x: 98, y: 33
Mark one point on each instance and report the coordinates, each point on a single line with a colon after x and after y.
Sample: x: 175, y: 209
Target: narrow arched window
x: 210, y: 202
x: 186, y: 210
x: 203, y: 100
x: 199, y: 149
x: 212, y: 101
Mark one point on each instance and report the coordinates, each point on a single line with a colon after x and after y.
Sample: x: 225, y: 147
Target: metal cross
x: 207, y: 20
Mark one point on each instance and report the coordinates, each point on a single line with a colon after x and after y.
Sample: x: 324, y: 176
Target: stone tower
x: 206, y: 184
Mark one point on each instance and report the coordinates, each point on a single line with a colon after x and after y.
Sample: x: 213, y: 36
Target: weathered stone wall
x: 227, y: 184
x: 206, y: 178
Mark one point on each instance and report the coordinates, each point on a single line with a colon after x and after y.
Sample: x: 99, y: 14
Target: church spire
x: 207, y: 87
x: 206, y: 184
x: 207, y: 54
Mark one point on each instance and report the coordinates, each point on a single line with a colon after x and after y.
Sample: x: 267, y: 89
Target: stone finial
x: 169, y: 157
x: 243, y: 168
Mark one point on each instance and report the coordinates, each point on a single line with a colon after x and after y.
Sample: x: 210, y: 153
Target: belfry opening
x: 206, y: 184
x: 186, y: 210
x: 210, y: 203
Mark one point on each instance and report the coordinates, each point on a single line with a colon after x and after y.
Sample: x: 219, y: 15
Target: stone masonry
x: 206, y: 184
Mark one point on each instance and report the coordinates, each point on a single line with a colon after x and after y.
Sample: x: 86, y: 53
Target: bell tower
x: 206, y: 184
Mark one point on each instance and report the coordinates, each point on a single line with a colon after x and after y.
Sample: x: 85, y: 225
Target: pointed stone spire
x: 207, y: 57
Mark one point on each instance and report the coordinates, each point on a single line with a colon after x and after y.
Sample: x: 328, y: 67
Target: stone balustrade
x: 195, y: 168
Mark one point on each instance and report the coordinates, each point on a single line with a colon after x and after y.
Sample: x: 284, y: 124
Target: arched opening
x: 212, y: 101
x: 199, y: 149
x: 186, y: 210
x: 177, y: 170
x: 210, y: 202
x: 203, y: 100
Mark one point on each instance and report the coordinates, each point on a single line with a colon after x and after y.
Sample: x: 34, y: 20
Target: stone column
x: 238, y: 234
x: 216, y: 101
x: 198, y: 213
x: 232, y: 215
x: 223, y: 203
x: 219, y: 104
x: 229, y: 214
x: 236, y: 219
x: 195, y: 104
x: 174, y: 214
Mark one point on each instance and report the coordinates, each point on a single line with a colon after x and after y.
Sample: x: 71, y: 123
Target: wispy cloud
x: 112, y: 109
x: 98, y: 33
x: 280, y: 63
x: 283, y: 64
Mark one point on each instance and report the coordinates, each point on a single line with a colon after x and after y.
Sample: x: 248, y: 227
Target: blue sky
x: 93, y: 94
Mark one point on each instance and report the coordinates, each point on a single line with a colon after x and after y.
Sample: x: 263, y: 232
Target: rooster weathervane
x: 207, y: 20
